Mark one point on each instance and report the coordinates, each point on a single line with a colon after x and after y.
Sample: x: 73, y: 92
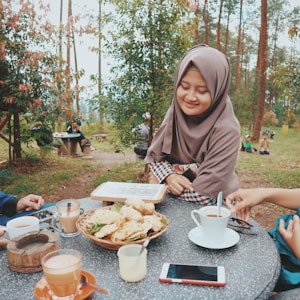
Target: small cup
x: 64, y: 222
x: 132, y: 264
x: 22, y: 225
x: 62, y: 269
x: 213, y: 227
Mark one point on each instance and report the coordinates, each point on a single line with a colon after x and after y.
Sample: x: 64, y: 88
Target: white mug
x: 22, y: 225
x: 213, y: 228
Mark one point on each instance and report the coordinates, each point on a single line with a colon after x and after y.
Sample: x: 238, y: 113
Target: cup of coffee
x: 64, y: 222
x: 62, y: 270
x: 212, y: 226
x: 132, y: 264
x: 22, y: 225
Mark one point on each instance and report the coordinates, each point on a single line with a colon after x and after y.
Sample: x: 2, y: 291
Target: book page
x: 123, y: 190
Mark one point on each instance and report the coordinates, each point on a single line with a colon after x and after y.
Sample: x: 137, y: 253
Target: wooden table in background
x: 70, y: 142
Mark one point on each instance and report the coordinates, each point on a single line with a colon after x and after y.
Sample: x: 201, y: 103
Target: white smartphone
x: 193, y: 274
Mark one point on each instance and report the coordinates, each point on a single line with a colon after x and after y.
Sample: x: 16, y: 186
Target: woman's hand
x: 29, y: 202
x: 291, y: 234
x: 177, y: 184
x: 241, y: 202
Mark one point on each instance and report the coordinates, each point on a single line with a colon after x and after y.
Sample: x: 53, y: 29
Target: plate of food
x: 114, y: 226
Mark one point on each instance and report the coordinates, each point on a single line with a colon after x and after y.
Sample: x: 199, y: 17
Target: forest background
x: 42, y: 79
x: 40, y: 74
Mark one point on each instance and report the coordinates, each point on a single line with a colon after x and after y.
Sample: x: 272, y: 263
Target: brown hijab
x: 211, y: 139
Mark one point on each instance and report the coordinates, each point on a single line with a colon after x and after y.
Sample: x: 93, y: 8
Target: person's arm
x: 164, y: 172
x: 8, y: 204
x: 243, y: 200
x: 29, y: 202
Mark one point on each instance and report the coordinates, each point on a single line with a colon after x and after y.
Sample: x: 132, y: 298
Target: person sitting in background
x: 272, y: 134
x: 142, y: 136
x: 247, y: 145
x: 264, y: 144
x: 286, y: 235
x: 12, y: 207
x: 75, y: 127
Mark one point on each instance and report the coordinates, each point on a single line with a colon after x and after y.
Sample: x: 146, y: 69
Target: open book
x: 120, y: 191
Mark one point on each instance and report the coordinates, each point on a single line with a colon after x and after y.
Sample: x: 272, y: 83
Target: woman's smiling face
x: 193, y: 96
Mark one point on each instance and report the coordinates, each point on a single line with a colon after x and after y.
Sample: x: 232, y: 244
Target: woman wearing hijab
x: 195, y: 150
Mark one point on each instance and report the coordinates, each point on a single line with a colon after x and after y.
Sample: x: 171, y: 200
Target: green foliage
x: 27, y: 68
x: 6, y: 177
x: 280, y: 168
x: 286, y: 78
x: 148, y: 39
x: 279, y: 111
x: 24, y: 188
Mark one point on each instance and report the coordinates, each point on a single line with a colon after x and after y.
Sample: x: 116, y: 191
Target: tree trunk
x: 262, y: 64
x: 68, y: 67
x: 17, y: 137
x: 101, y: 110
x: 238, y: 52
x: 59, y: 80
x: 76, y: 72
x: 219, y: 26
x: 227, y: 33
x: 206, y: 22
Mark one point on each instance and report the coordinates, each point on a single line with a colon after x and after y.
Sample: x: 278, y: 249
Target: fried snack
x: 106, y: 230
x: 130, y: 222
x: 131, y: 230
x: 149, y: 209
x: 104, y: 217
x: 129, y: 213
x: 141, y: 206
x: 155, y: 222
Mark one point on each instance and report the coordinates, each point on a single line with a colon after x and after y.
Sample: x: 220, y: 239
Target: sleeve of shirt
x: 162, y: 170
x: 197, y: 198
x: 8, y: 204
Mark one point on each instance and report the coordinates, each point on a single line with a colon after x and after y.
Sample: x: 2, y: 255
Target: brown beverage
x: 214, y: 216
x: 62, y: 269
x: 22, y: 225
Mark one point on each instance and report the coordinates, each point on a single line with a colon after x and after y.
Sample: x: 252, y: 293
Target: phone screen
x: 203, y: 273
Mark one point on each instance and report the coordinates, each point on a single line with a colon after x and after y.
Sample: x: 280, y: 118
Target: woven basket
x: 107, y: 243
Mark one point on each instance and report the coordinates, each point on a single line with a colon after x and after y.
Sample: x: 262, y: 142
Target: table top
x: 252, y: 266
x: 65, y: 135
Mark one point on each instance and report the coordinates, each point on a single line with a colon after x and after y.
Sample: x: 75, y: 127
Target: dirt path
x: 81, y: 186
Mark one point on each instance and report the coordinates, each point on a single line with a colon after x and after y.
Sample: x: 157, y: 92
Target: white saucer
x: 231, y: 238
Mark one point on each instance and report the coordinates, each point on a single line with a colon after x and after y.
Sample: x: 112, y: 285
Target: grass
x: 45, y: 176
x: 282, y: 167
